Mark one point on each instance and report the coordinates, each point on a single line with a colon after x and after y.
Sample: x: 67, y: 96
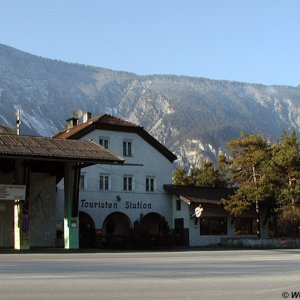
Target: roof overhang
x: 57, y: 150
x: 202, y: 194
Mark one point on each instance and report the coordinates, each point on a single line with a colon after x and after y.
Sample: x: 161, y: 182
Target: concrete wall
x: 261, y: 243
x: 6, y: 224
x: 42, y: 214
x: 7, y: 215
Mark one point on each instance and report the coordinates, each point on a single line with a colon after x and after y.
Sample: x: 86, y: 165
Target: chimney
x: 72, y: 122
x: 86, y: 116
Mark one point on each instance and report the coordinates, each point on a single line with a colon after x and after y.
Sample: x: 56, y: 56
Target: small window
x: 213, y: 226
x: 104, y: 182
x: 128, y: 183
x: 150, y: 184
x: 104, y: 142
x: 127, y: 148
x: 178, y: 204
x: 82, y: 182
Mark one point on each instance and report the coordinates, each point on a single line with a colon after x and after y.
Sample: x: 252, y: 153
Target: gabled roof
x: 12, y: 146
x: 112, y: 123
x: 200, y: 194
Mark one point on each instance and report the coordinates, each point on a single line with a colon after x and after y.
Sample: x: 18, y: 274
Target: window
x: 127, y: 183
x: 178, y: 204
x: 150, y: 184
x: 213, y: 226
x: 127, y: 148
x: 104, y: 142
x: 104, y: 182
x: 82, y: 182
x: 245, y: 225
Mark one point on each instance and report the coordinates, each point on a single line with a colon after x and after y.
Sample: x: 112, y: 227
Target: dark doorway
x: 116, y: 230
x: 155, y: 230
x: 179, y: 238
x: 87, y: 234
x: 152, y: 222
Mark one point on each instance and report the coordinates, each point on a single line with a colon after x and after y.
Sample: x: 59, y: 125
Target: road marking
x: 48, y: 276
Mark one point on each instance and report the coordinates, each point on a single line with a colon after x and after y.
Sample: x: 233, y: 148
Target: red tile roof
x: 108, y: 122
x: 100, y: 120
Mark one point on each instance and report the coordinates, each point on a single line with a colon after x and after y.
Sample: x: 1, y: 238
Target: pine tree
x: 250, y: 154
x: 180, y: 176
x: 285, y: 170
x: 284, y: 178
x: 204, y: 175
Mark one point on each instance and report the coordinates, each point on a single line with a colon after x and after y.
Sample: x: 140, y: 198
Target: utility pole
x: 18, y: 121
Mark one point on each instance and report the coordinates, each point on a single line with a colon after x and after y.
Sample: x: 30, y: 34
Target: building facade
x: 116, y: 199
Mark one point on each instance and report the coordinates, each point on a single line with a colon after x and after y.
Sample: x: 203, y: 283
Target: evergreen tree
x: 284, y: 178
x: 180, y: 176
x: 285, y: 170
x: 204, y: 175
x: 250, y: 153
x: 223, y: 169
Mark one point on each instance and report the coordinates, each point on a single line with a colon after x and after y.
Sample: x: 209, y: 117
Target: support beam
x: 71, y: 219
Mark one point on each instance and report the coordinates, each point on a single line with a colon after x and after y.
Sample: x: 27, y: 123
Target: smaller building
x: 214, y: 222
x: 30, y: 168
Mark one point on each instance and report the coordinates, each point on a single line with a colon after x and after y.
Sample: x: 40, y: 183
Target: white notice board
x: 12, y: 192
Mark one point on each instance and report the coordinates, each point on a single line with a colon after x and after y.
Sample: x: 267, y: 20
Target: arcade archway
x: 116, y: 230
x: 155, y: 231
x: 153, y: 223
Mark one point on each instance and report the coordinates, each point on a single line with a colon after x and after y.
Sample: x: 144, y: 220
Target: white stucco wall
x: 183, y: 213
x: 196, y: 239
x: 146, y: 161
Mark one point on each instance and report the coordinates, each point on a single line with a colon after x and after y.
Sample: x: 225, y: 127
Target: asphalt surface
x: 211, y: 274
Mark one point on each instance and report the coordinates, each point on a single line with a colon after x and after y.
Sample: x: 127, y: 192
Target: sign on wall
x: 12, y: 192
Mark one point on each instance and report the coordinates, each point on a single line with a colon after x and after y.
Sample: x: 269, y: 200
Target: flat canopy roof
x: 14, y: 146
x: 201, y: 194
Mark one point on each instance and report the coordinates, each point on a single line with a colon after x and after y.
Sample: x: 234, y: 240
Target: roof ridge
x: 123, y: 121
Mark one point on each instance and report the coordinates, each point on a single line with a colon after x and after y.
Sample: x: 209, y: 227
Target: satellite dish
x: 78, y: 113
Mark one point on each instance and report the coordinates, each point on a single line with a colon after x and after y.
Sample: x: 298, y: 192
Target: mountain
x: 193, y: 117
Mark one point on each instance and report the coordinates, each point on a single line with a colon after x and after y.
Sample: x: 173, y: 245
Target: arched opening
x: 153, y: 222
x: 116, y: 230
x: 87, y: 233
x: 153, y: 230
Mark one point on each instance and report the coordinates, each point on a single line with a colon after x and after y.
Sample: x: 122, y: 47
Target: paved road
x: 256, y: 274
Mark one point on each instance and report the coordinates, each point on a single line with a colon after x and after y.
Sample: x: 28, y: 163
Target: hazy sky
x: 244, y: 40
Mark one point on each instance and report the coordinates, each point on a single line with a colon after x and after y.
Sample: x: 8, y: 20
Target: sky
x: 255, y: 41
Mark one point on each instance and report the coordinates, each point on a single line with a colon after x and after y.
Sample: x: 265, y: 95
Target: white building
x: 135, y: 202
x: 214, y: 225
x: 114, y: 197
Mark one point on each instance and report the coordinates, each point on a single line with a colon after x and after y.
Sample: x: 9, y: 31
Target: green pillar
x: 71, y: 220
